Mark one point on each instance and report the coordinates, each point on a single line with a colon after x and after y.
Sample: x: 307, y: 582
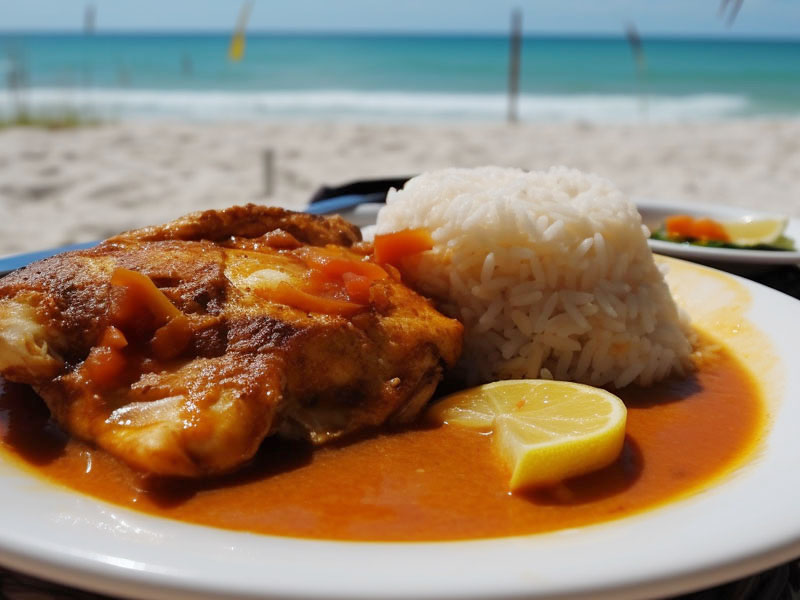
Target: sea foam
x: 122, y: 103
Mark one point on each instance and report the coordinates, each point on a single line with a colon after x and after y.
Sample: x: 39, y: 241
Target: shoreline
x: 211, y: 105
x: 86, y: 183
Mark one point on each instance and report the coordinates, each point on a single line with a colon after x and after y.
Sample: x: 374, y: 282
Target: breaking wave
x: 122, y: 103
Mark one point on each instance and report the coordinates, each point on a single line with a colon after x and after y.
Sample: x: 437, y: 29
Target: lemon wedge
x: 545, y: 431
x: 752, y: 231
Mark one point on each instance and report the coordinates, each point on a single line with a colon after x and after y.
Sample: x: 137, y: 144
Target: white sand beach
x: 60, y: 187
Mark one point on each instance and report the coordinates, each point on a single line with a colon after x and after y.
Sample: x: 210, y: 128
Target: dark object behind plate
x: 347, y: 197
x: 784, y: 279
x: 363, y: 187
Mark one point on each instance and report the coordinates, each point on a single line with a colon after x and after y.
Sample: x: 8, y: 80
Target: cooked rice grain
x: 550, y: 273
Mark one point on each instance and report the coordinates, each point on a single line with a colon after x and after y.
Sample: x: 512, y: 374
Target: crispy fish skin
x: 252, y: 367
x: 250, y: 221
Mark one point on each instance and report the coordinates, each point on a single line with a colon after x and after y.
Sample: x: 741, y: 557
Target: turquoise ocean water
x: 396, y: 77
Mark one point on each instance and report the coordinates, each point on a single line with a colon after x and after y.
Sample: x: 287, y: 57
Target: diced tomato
x: 393, y: 247
x: 141, y: 292
x: 291, y: 296
x: 113, y: 338
x: 104, y: 365
x: 171, y: 339
x: 330, y: 270
x: 345, y: 279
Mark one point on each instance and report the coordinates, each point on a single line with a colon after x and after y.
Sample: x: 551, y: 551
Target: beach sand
x: 60, y: 187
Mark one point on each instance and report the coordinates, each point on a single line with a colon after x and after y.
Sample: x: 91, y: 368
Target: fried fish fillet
x: 179, y: 348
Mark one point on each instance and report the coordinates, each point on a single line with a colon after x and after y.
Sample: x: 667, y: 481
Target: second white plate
x: 654, y: 212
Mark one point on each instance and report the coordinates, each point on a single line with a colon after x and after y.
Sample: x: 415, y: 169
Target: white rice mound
x: 549, y: 272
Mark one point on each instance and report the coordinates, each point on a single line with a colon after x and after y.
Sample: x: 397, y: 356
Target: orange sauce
x: 425, y: 483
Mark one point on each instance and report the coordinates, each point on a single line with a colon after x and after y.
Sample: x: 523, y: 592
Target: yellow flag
x: 236, y: 49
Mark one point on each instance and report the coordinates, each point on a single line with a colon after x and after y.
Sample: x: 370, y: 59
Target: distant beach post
x: 514, y: 54
x: 637, y: 50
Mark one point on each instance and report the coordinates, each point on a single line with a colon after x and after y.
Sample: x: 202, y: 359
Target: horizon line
x: 690, y: 36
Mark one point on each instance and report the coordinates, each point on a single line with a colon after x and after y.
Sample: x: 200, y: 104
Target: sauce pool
x: 422, y: 484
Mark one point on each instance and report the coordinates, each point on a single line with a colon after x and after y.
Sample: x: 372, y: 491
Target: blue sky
x: 770, y: 18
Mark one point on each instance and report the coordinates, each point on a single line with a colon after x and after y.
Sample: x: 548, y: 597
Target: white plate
x: 746, y: 522
x: 653, y: 215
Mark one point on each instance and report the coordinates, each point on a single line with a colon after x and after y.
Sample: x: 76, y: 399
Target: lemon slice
x: 751, y: 231
x: 545, y: 431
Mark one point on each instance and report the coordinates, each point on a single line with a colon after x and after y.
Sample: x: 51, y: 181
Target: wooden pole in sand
x: 268, y: 163
x: 637, y: 49
x: 515, y: 48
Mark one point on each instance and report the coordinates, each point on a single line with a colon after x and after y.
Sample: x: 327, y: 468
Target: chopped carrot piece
x: 333, y: 265
x: 684, y: 226
x: 357, y: 287
x: 141, y: 291
x: 113, y: 338
x: 679, y: 225
x: 281, y: 240
x: 291, y: 296
x: 338, y: 267
x: 393, y: 272
x: 393, y: 247
x: 708, y: 229
x: 104, y: 365
x: 171, y: 339
x: 126, y: 308
x: 329, y: 276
